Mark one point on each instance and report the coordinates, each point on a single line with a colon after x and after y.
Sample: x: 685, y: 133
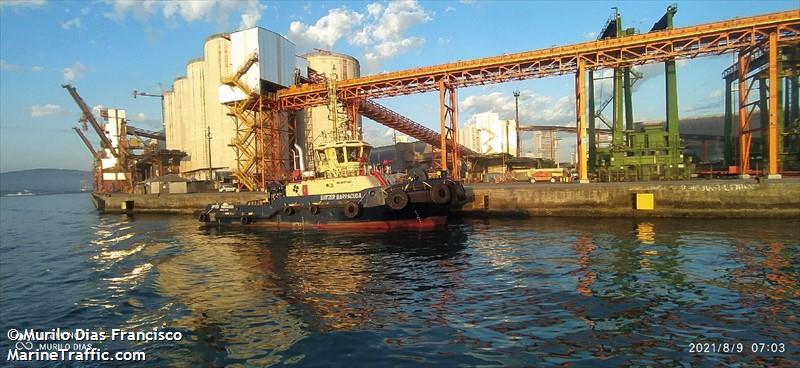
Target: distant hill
x: 44, y: 181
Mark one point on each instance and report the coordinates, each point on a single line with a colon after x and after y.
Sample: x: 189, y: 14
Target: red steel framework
x: 402, y: 124
x: 688, y: 42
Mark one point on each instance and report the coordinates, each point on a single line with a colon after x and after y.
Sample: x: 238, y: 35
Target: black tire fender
x: 440, y: 194
x: 460, y: 192
x: 245, y: 220
x: 397, y: 199
x: 352, y: 209
x: 314, y: 209
x: 203, y: 217
x: 288, y: 210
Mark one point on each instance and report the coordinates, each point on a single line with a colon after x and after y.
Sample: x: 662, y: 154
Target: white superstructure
x: 488, y: 134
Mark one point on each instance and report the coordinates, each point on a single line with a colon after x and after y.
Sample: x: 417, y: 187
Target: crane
x: 105, y: 142
x: 86, y: 142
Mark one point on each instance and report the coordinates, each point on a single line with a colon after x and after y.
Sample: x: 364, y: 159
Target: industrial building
x: 200, y: 113
x: 488, y: 134
x: 545, y: 145
x: 127, y: 154
x: 195, y: 122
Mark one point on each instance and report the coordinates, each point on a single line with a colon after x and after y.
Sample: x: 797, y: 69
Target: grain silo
x: 180, y: 110
x: 169, y: 119
x: 198, y: 103
x: 196, y: 124
x: 216, y: 52
x: 318, y: 119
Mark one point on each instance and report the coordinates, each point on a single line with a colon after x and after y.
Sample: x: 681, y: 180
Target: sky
x: 109, y: 48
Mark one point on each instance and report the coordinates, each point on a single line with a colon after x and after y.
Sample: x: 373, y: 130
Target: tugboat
x: 344, y: 194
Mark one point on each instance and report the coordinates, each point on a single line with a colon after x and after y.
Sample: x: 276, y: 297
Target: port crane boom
x: 89, y: 116
x: 86, y: 142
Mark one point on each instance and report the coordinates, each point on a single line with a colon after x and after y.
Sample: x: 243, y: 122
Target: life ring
x: 288, y: 211
x: 245, y: 220
x: 397, y: 199
x: 440, y: 194
x: 314, y: 209
x: 461, y: 193
x: 352, y: 210
x: 203, y: 217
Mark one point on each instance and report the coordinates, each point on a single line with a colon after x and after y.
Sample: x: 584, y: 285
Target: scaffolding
x: 262, y: 134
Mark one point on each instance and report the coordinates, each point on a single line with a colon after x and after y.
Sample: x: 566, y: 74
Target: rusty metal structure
x: 736, y: 35
x: 261, y: 135
x: 134, y: 160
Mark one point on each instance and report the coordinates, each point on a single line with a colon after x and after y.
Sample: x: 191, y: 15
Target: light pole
x: 516, y: 103
x: 137, y: 93
x: 208, y: 142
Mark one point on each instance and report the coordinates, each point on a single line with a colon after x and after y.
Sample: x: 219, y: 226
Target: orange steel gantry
x: 736, y: 35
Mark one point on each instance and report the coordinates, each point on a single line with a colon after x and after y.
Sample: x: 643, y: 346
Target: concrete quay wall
x: 190, y: 203
x: 699, y: 198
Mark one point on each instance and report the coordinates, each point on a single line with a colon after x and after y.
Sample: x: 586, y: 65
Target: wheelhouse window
x: 340, y: 154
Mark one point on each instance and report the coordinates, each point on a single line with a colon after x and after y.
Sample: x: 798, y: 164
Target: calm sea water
x: 536, y: 292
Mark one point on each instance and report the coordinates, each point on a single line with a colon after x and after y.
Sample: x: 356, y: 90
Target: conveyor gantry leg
x: 744, y: 115
x: 772, y: 165
x: 448, y: 116
x: 580, y: 112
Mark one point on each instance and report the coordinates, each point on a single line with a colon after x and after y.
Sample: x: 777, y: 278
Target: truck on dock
x: 552, y: 175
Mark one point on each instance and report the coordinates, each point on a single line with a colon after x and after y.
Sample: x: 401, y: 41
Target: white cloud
x: 86, y: 11
x: 449, y: 9
x: 188, y: 10
x: 37, y: 69
x: 442, y: 41
x: 251, y: 14
x: 39, y: 111
x: 72, y: 23
x: 375, y: 9
x: 23, y: 3
x: 388, y: 49
x: 326, y: 31
x: 534, y: 109
x: 379, y: 29
x: 384, y: 34
x: 590, y: 35
x: 717, y: 93
x: 377, y: 135
x: 8, y: 66
x: 74, y: 72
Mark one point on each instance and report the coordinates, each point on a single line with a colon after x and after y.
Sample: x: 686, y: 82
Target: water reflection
x: 484, y: 292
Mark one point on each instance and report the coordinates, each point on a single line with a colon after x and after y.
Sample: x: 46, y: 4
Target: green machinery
x: 649, y: 152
